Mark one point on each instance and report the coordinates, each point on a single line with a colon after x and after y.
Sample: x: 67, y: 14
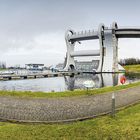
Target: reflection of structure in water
x: 70, y: 82
x: 100, y: 80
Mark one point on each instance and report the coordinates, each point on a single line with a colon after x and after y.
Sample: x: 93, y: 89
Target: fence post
x: 113, y: 105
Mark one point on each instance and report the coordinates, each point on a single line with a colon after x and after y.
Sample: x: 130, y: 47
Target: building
x: 86, y: 66
x: 34, y: 66
x: 59, y: 67
x: 83, y: 66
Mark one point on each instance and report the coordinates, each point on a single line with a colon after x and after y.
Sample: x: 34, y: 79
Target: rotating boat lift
x: 108, y: 42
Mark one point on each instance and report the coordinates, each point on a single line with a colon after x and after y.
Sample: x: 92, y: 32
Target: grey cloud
x: 41, y: 24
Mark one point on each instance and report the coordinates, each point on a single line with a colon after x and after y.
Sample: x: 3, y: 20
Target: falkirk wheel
x: 108, y: 42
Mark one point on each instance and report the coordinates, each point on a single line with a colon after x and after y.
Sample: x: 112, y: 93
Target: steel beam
x: 128, y: 33
x: 83, y: 35
x: 85, y: 53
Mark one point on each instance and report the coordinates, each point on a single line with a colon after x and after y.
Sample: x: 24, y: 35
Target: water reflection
x: 100, y: 80
x: 66, y: 83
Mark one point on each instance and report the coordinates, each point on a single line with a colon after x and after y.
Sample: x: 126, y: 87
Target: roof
x: 34, y: 64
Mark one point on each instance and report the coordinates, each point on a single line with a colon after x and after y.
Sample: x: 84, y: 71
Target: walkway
x: 63, y: 109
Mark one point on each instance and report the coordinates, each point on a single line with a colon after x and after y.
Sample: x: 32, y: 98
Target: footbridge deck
x: 36, y: 75
x: 127, y: 32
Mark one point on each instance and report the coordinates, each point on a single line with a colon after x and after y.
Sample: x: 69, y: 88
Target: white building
x: 34, y: 66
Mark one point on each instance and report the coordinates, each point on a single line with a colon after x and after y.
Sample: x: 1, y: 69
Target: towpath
x: 65, y: 108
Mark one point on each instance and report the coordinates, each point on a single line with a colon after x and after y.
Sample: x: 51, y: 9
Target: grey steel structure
x: 108, y: 41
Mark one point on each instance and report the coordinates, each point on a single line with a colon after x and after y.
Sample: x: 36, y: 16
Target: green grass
x: 2, y: 69
x: 67, y: 93
x: 132, y: 68
x: 125, y: 126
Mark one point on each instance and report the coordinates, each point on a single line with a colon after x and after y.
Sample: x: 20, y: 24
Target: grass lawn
x: 132, y: 68
x: 125, y: 126
x: 67, y: 93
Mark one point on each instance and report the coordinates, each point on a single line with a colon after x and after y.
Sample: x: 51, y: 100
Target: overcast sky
x: 32, y: 31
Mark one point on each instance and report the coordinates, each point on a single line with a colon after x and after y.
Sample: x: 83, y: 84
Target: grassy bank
x: 132, y: 68
x: 125, y: 126
x: 67, y: 93
x: 2, y: 69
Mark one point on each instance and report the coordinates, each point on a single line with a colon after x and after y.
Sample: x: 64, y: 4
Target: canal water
x: 67, y: 83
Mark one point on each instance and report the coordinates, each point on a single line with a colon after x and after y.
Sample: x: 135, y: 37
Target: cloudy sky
x: 32, y: 31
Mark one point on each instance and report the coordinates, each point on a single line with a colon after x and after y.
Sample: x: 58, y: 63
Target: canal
x: 67, y: 83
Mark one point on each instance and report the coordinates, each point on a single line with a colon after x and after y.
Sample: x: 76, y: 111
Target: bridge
x: 6, y: 77
x: 108, y: 42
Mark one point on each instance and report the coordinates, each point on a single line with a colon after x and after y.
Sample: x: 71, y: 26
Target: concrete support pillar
x: 115, y: 48
x: 110, y: 56
x: 101, y: 44
x: 70, y: 64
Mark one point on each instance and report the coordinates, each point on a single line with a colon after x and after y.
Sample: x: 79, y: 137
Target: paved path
x: 63, y: 109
